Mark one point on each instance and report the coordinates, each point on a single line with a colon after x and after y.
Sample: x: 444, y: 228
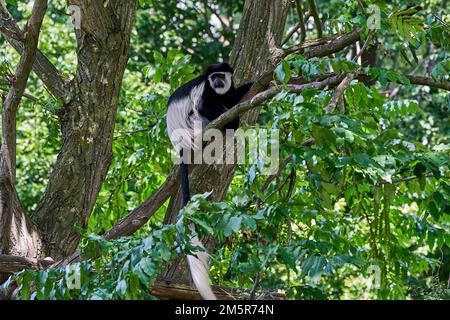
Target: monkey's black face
x: 220, y: 77
x: 218, y: 80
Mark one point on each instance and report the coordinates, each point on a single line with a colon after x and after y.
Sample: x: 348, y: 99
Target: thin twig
x: 359, y: 54
x: 298, y: 6
x: 25, y: 95
x: 290, y: 33
x: 299, y: 25
x: 338, y: 94
x: 315, y: 14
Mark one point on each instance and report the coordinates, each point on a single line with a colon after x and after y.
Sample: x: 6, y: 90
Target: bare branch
x: 25, y: 95
x: 315, y: 14
x: 337, y: 96
x: 262, y: 97
x: 417, y: 80
x: 324, y: 47
x: 10, y: 264
x: 290, y: 33
x: 300, y: 48
x: 171, y: 290
x: 301, y: 18
x: 335, y: 45
x: 359, y: 54
x: 12, y: 101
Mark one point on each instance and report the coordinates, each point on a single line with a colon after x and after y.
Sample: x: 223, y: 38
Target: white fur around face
x: 227, y: 86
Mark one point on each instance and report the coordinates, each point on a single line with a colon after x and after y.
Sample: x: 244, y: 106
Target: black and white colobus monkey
x: 199, y: 102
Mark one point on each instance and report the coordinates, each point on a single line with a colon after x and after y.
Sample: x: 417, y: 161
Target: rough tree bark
x: 87, y: 123
x: 87, y: 120
x: 259, y: 38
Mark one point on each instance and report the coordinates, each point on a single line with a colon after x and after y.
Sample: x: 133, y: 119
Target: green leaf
x: 121, y: 287
x: 287, y: 258
x: 287, y: 71
x: 280, y: 73
x: 203, y: 224
x: 323, y: 136
x: 233, y: 225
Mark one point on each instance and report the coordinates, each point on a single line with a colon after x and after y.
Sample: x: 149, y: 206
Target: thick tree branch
x: 10, y: 264
x: 8, y: 27
x: 324, y: 47
x: 139, y: 216
x: 43, y: 68
x: 18, y: 235
x: 335, y: 45
x: 182, y: 291
x: 417, y: 80
x: 424, y: 81
x: 262, y: 97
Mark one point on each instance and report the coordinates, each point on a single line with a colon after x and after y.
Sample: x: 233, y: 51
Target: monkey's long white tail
x: 198, y: 265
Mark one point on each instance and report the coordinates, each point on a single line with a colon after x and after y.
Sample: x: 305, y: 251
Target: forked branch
x: 43, y: 68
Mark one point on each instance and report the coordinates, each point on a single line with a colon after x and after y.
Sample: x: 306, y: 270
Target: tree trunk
x: 259, y: 37
x: 87, y: 123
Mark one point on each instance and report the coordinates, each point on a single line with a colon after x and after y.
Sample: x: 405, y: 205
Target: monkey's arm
x: 233, y: 100
x: 238, y: 94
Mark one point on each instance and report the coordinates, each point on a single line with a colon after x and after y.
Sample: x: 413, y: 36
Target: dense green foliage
x: 372, y: 194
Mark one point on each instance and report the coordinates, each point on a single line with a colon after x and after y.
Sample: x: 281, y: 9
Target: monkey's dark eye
x: 218, y: 76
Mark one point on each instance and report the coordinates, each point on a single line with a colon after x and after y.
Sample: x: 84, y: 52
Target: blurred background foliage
x: 369, y: 200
